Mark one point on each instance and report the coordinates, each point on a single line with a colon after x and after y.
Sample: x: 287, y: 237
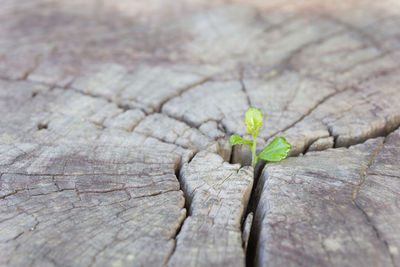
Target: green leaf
x: 276, y: 150
x: 253, y: 119
x: 237, y: 140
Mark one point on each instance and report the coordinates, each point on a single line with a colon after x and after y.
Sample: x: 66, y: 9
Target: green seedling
x: 274, y: 151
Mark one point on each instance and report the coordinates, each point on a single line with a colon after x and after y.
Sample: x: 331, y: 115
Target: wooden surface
x: 306, y: 215
x: 115, y: 116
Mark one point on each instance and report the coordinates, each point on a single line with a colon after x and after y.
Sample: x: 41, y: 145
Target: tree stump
x: 115, y: 118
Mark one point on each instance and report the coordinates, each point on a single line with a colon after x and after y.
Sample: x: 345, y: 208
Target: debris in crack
x: 246, y: 230
x: 42, y: 126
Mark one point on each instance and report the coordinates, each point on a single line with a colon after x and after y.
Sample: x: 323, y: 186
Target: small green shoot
x: 274, y: 151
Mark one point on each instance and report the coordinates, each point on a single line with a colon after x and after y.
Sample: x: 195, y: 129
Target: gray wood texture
x: 114, y: 126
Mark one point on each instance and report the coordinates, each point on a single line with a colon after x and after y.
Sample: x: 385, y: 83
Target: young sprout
x: 274, y: 151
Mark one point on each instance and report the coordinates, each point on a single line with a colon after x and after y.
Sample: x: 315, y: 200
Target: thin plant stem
x: 253, y: 151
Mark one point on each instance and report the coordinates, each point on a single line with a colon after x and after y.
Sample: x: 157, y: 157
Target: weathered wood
x: 63, y: 205
x: 217, y: 194
x: 102, y: 193
x: 99, y: 116
x: 306, y: 215
x: 378, y: 195
x: 172, y: 131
